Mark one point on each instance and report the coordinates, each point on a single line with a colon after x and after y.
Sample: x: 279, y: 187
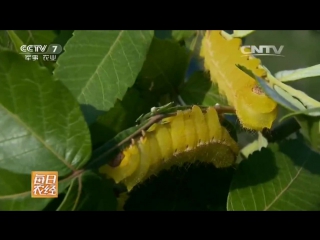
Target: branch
x: 282, y: 131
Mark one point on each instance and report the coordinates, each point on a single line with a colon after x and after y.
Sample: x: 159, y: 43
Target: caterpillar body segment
x: 188, y: 136
x: 200, y: 125
x: 190, y: 130
x: 221, y: 54
x: 177, y: 132
x: 163, y: 137
x: 212, y: 121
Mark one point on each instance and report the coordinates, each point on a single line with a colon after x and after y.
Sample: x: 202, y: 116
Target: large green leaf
x: 165, y: 67
x: 200, y: 90
x: 41, y: 125
x: 89, y: 192
x: 99, y: 66
x: 15, y: 192
x: 284, y: 176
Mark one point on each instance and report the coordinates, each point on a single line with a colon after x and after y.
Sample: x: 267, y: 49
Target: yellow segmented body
x: 254, y: 109
x: 189, y: 136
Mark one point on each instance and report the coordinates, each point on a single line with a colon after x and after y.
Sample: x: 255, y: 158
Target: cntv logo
x: 262, y: 50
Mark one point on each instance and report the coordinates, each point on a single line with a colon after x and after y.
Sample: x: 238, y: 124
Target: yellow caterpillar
x: 188, y: 136
x: 221, y: 53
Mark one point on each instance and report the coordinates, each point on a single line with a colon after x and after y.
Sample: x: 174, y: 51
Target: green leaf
x: 200, y: 90
x: 17, y: 43
x: 164, y: 69
x: 27, y: 37
x: 63, y: 37
x: 180, y: 35
x: 89, y: 192
x: 292, y: 75
x: 5, y: 42
x: 122, y: 116
x: 310, y: 129
x: 15, y: 192
x: 99, y: 66
x: 284, y: 176
x: 41, y: 124
x: 304, y: 112
x: 36, y: 36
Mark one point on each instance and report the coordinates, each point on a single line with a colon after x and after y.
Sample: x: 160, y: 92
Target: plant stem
x: 282, y: 131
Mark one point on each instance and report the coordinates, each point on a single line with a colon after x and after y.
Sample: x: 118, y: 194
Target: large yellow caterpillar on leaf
x: 187, y: 136
x: 221, y: 53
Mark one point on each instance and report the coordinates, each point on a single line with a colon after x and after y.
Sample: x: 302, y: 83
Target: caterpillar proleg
x: 187, y: 136
x: 221, y: 53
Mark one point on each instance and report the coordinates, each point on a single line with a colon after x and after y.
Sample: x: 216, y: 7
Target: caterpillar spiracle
x: 221, y: 53
x: 187, y: 136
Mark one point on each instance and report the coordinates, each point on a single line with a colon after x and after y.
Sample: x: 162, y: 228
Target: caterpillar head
x: 116, y: 161
x: 255, y: 109
x: 123, y: 164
